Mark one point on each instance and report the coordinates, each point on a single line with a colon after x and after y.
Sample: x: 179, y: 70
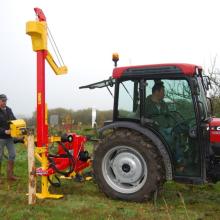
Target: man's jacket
x: 5, y: 117
x: 158, y: 112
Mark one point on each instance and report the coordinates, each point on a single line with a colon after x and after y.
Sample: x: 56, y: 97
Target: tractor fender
x: 151, y: 135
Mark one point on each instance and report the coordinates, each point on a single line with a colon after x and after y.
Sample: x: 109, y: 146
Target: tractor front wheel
x: 128, y: 166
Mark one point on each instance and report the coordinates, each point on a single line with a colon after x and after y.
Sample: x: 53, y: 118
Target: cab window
x: 129, y: 99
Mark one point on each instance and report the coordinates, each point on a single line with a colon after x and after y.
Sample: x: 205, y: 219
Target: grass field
x: 84, y: 201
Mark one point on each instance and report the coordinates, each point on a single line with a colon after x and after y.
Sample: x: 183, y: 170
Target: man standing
x: 6, y: 115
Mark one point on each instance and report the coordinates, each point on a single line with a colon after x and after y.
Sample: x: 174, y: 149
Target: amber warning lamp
x: 115, y: 58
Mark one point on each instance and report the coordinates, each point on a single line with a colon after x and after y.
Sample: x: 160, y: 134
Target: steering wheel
x: 180, y: 126
x: 167, y: 115
x: 177, y: 113
x: 179, y: 122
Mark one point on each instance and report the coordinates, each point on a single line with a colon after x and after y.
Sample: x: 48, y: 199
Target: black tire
x: 128, y: 166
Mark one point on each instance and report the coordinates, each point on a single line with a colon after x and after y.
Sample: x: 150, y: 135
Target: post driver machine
x: 71, y: 157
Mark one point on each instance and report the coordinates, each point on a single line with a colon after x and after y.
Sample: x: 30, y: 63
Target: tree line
x: 71, y: 117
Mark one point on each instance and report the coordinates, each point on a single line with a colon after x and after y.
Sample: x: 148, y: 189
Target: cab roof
x: 162, y: 69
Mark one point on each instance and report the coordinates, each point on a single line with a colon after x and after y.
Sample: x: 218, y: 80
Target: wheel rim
x: 124, y: 169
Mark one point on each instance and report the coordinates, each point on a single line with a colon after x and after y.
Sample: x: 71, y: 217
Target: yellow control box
x: 18, y: 128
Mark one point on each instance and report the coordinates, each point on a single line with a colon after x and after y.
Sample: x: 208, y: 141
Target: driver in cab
x: 157, y: 110
x: 155, y: 107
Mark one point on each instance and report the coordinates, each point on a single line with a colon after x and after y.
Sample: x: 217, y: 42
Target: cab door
x: 177, y: 126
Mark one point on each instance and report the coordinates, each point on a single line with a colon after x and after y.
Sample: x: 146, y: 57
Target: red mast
x: 42, y: 129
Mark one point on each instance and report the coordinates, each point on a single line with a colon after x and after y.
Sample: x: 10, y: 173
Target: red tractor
x: 152, y: 138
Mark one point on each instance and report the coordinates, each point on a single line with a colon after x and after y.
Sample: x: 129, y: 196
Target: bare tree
x: 214, y: 74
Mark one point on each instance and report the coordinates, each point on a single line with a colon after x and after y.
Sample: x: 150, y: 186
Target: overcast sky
x: 87, y: 32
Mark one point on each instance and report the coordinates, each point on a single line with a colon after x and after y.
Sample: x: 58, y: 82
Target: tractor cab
x: 164, y: 108
x: 173, y: 105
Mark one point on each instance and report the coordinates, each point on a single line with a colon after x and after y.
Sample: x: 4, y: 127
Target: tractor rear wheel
x: 128, y: 166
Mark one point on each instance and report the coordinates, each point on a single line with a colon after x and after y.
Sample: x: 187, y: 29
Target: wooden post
x: 31, y: 171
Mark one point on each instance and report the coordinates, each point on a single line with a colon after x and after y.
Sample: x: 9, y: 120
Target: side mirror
x: 202, y: 110
x: 207, y: 82
x: 195, y: 87
x: 210, y: 105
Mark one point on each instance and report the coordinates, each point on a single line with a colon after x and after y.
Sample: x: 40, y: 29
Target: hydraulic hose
x: 67, y: 155
x: 57, y: 184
